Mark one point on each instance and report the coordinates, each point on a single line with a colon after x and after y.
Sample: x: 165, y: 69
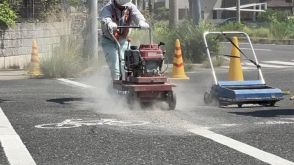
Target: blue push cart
x: 240, y: 92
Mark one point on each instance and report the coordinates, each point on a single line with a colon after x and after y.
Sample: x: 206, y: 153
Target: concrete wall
x: 16, y: 44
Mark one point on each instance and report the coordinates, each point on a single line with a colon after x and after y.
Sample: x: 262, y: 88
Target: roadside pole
x: 196, y: 11
x: 93, y: 38
x: 238, y: 13
x: 174, y: 13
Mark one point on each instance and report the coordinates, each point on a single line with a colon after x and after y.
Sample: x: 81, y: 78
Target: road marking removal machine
x: 143, y: 78
x: 236, y: 90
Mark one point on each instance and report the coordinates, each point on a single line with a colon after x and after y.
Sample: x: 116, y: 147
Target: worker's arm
x: 106, y: 20
x: 138, y: 17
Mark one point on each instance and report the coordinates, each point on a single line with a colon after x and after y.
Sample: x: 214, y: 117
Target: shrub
x: 260, y: 32
x: 272, y: 16
x: 232, y: 26
x: 65, y: 60
x: 190, y: 36
x: 280, y: 30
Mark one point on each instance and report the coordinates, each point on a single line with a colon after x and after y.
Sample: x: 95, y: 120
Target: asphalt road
x: 63, y: 123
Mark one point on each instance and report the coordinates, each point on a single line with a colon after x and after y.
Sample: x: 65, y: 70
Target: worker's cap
x: 122, y: 2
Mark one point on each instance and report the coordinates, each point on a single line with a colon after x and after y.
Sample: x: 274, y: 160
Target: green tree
x: 7, y: 15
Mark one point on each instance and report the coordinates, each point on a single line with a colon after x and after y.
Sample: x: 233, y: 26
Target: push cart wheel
x: 171, y: 100
x: 272, y: 104
x: 207, y: 98
x: 269, y: 104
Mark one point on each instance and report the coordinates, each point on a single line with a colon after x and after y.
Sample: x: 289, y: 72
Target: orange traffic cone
x: 34, y: 67
x: 235, y: 68
x: 178, y: 64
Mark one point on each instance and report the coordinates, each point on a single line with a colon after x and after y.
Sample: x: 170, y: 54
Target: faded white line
x: 14, y: 149
x: 243, y: 67
x: 274, y: 122
x: 280, y: 62
x: 267, y: 65
x: 241, y: 147
x: 75, y: 83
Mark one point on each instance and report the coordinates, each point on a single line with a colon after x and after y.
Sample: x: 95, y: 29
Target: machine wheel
x: 131, y: 99
x: 207, y: 98
x: 171, y: 100
x: 145, y: 104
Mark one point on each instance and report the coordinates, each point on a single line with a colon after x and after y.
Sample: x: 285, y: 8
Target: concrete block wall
x: 16, y: 48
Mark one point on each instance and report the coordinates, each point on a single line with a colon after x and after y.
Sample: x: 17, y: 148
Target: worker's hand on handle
x: 112, y: 27
x: 144, y: 25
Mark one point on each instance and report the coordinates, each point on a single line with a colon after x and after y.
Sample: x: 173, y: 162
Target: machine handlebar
x: 132, y: 27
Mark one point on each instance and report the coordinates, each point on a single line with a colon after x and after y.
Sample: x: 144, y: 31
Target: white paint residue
x: 14, y: 149
x: 241, y: 147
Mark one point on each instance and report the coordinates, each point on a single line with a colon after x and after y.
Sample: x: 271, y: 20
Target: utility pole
x: 238, y: 13
x: 93, y: 33
x: 292, y: 7
x: 173, y: 13
x: 195, y: 8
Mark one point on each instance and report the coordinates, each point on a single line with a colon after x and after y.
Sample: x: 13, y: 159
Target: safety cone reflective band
x: 178, y: 64
x: 235, y: 68
x: 34, y: 67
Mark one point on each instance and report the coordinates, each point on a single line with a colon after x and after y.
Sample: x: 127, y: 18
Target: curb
x: 6, y: 74
x: 269, y: 41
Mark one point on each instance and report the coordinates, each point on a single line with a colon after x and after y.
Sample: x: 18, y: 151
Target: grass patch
x: 65, y: 60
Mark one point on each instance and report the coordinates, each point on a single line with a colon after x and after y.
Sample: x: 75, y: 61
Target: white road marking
x: 73, y: 123
x: 14, y: 149
x: 256, y: 49
x: 241, y: 147
x: 267, y: 65
x: 227, y: 141
x: 280, y: 62
x: 75, y: 83
x: 288, y: 118
x: 274, y: 122
x: 243, y: 67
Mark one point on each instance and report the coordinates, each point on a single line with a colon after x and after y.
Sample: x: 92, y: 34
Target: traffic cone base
x: 35, y: 70
x: 178, y: 64
x: 34, y: 67
x: 235, y: 67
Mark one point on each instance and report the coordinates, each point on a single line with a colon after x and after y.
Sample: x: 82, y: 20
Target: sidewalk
x: 13, y: 74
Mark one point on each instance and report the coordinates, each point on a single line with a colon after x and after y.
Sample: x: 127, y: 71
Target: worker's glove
x: 112, y: 27
x: 144, y: 25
